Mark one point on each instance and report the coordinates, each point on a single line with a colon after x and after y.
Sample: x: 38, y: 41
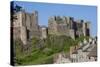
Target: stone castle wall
x: 25, y: 26
x: 68, y: 26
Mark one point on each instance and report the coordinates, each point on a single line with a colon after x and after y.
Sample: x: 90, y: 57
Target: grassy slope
x: 45, y: 53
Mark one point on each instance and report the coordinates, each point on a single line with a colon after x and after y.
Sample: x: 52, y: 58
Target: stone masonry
x: 68, y: 26
x: 26, y: 26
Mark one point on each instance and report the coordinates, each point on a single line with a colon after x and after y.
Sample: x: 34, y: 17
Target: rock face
x: 25, y: 26
x: 67, y: 26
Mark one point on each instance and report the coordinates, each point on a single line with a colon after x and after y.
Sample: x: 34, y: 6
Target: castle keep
x: 26, y: 26
x: 68, y: 26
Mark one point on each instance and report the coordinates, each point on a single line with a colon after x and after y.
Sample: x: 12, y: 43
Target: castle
x: 68, y: 26
x: 26, y: 26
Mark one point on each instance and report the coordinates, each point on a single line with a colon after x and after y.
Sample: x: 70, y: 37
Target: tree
x: 17, y: 8
x: 14, y: 9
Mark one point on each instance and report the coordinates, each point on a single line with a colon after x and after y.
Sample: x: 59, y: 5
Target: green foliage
x: 18, y: 47
x: 17, y: 8
x: 42, y: 51
x: 81, y: 38
x: 59, y: 43
x: 34, y: 40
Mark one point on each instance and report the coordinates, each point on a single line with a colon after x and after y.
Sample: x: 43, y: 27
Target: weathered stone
x: 25, y: 26
x: 67, y: 26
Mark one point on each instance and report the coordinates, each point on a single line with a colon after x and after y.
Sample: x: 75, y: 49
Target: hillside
x: 43, y: 51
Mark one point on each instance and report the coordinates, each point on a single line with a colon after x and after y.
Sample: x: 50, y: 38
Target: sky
x: 45, y: 10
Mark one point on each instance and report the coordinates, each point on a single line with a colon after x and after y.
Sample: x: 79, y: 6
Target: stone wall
x: 23, y: 35
x: 44, y: 32
x: 25, y: 26
x: 68, y: 26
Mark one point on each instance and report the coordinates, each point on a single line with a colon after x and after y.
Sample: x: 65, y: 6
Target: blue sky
x: 45, y: 10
